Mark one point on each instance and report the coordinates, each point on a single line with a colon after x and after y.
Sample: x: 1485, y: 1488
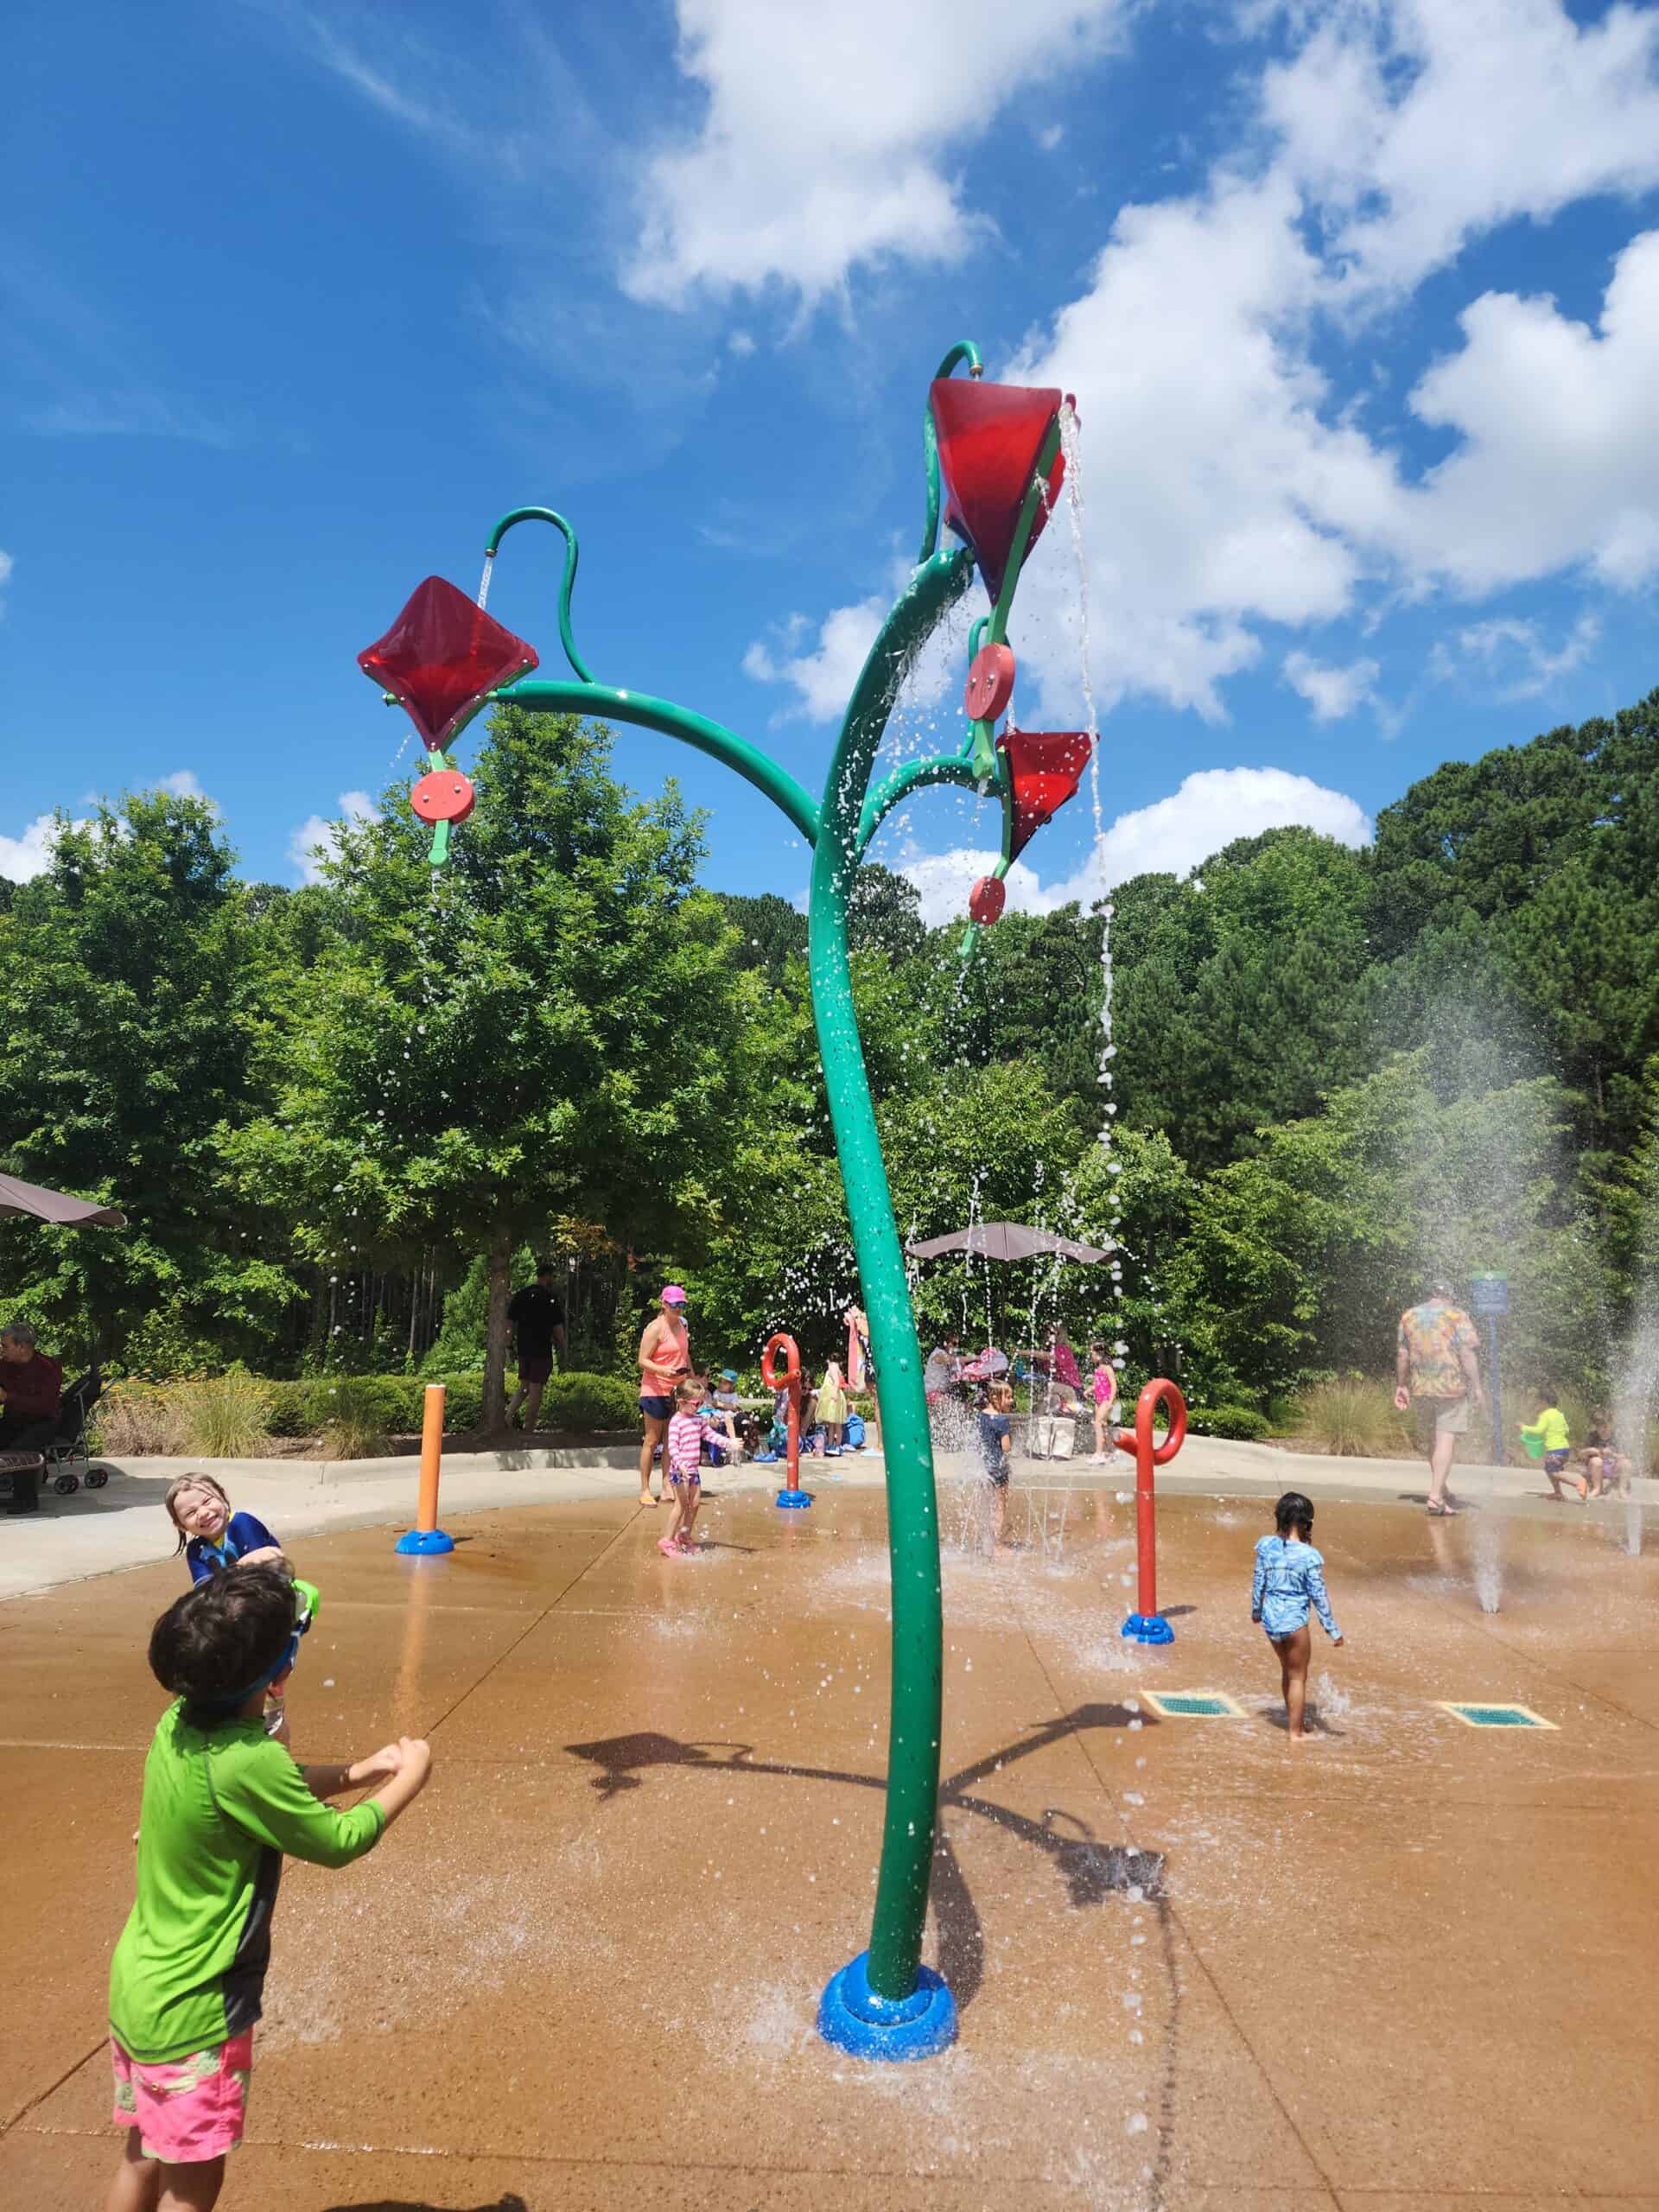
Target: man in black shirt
x: 537, y: 1319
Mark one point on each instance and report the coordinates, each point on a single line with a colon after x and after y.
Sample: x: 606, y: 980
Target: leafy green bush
x: 590, y: 1401
x: 230, y: 1416
x: 1242, y: 1423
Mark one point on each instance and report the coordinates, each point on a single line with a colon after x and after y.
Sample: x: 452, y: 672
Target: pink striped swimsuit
x: 685, y: 1448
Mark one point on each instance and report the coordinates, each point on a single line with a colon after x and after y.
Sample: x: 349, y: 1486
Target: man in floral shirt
x: 1437, y: 1372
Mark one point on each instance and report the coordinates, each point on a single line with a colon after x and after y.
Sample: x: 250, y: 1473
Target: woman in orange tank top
x: 664, y: 1358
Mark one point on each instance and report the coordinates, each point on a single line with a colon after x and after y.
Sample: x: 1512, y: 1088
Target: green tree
x: 126, y: 973
x: 1242, y: 994
x: 552, y: 1027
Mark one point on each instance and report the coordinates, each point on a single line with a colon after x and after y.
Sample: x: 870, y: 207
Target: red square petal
x: 442, y: 657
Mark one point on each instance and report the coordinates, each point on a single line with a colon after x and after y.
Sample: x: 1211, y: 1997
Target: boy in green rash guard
x: 222, y: 1803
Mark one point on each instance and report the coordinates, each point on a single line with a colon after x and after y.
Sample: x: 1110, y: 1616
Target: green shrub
x: 1242, y: 1423
x: 222, y: 1416
x: 230, y: 1416
x: 1351, y: 1416
x: 590, y: 1401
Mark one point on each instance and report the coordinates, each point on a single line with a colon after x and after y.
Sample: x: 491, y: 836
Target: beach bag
x: 854, y: 1431
x: 1051, y: 1439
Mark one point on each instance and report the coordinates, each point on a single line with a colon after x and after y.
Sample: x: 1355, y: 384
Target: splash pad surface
x: 580, y: 1973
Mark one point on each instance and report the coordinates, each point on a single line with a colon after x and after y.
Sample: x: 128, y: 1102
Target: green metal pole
x: 567, y: 582
x: 913, y: 1512
x: 599, y: 701
x: 963, y: 350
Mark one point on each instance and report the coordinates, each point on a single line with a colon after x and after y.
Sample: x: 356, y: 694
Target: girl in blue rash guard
x: 1289, y: 1581
x: 213, y: 1538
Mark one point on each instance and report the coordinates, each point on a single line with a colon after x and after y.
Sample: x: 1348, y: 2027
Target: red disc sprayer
x: 1147, y: 1624
x: 789, y: 1378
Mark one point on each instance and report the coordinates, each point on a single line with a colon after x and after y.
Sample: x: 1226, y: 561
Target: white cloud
x: 1333, y: 693
x: 1558, y: 458
x: 184, y: 783
x: 825, y: 135
x: 1416, y: 125
x: 1514, y: 653
x: 21, y: 858
x: 1050, y: 136
x: 741, y: 343
x: 317, y: 838
x: 1172, y: 836
x: 822, y: 676
x: 1221, y: 493
x: 7, y: 564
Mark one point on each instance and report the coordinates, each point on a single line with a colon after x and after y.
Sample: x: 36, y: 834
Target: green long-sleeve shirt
x: 1550, y: 1429
x: 220, y: 1807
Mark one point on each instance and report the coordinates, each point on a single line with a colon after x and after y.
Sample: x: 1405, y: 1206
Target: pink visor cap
x: 673, y: 1295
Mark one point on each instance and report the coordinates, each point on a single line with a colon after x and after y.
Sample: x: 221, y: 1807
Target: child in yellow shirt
x: 1549, y: 1428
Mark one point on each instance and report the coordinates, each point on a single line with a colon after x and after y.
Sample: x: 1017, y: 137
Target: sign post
x: 1488, y: 1297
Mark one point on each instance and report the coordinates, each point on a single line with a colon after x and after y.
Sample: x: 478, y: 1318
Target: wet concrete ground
x: 1407, y: 1966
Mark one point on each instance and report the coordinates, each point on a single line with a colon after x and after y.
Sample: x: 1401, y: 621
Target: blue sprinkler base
x: 425, y: 1543
x: 793, y: 1499
x: 1147, y: 1628
x: 853, y: 2018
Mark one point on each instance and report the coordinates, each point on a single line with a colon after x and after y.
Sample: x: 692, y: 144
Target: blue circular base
x: 793, y: 1499
x: 853, y: 2018
x: 422, y: 1543
x: 1147, y: 1628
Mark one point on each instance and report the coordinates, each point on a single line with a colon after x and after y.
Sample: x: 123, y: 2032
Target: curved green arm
x: 916, y: 775
x: 913, y: 1511
x: 568, y: 582
x: 963, y: 350
x: 546, y: 696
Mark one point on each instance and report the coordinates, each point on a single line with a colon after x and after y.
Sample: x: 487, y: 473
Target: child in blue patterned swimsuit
x: 1289, y: 1579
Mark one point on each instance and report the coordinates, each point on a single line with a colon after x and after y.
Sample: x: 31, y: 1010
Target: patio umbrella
x: 1007, y: 1240
x: 53, y: 1206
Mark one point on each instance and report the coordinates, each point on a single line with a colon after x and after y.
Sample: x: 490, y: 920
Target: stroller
x: 67, y: 1462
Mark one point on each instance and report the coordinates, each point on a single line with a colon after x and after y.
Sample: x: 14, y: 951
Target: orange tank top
x: 664, y: 1354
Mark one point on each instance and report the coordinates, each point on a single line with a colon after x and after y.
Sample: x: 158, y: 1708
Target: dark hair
x: 1295, y: 1511
x: 546, y: 1268
x: 220, y: 1636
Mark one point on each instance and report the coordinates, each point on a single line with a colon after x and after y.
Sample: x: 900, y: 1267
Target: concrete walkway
x: 99, y: 1532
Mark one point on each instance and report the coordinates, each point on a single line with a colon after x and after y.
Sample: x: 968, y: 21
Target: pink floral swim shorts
x: 186, y: 2110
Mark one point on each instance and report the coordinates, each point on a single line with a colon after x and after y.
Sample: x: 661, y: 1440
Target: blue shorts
x: 1555, y: 1461
x: 656, y: 1409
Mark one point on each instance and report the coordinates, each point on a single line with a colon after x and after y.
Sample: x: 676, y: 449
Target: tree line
x: 340, y: 1118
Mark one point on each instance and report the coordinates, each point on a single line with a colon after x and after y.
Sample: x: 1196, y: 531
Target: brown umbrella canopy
x: 53, y: 1206
x: 1007, y: 1240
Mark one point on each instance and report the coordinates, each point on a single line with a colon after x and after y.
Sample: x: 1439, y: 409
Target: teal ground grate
x: 1495, y: 1716
x: 1193, y: 1704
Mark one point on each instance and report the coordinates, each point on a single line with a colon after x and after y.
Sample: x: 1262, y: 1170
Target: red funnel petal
x: 1046, y: 769
x: 442, y: 656
x: 990, y: 436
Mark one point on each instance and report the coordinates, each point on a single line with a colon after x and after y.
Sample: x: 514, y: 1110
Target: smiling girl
x: 213, y: 1538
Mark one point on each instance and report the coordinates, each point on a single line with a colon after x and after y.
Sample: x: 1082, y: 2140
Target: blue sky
x: 1360, y: 301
